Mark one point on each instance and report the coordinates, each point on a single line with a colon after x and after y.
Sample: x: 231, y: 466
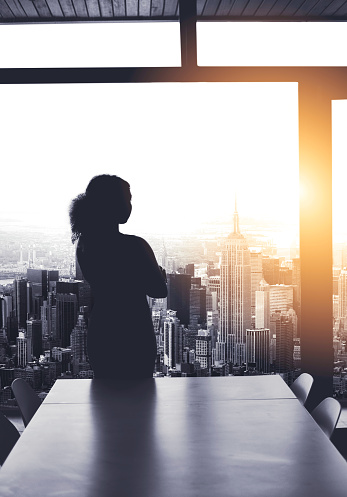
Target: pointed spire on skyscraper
x: 236, y: 218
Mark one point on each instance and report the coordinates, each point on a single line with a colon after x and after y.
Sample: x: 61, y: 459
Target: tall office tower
x: 81, y: 289
x: 208, y: 301
x: 7, y: 307
x: 162, y: 255
x: 296, y: 281
x: 67, y: 286
x: 34, y: 336
x: 197, y: 307
x: 256, y: 258
x: 336, y: 274
x: 189, y: 269
x: 214, y: 285
x: 235, y: 300
x: 20, y: 304
x: 157, y: 320
x: 281, y: 297
x: 29, y: 299
x: 12, y: 328
x: 285, y: 275
x: 67, y: 307
x: 48, y: 317
x: 52, y: 278
x: 258, y: 349
x: 178, y: 298
x: 63, y: 356
x: 23, y: 350
x: 203, y: 349
x: 39, y: 280
x: 196, y: 280
x: 262, y: 307
x: 281, y: 325
x: 342, y: 293
x: 79, y: 346
x: 220, y: 353
x: 271, y: 270
x: 212, y: 320
x: 173, y: 340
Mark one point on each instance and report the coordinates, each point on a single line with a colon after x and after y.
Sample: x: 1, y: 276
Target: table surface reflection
x: 173, y: 437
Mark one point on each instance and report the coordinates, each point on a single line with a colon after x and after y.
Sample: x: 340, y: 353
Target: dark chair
x: 302, y: 386
x: 327, y: 414
x: 8, y: 437
x: 27, y: 400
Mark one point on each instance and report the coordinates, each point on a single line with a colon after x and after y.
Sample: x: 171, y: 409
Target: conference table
x: 173, y: 437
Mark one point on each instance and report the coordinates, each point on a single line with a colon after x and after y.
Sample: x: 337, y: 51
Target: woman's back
x: 122, y: 271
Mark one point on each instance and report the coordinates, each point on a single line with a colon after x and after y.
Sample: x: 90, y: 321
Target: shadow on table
x: 123, y: 438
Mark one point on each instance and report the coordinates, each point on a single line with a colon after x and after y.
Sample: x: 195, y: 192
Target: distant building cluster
x: 239, y: 314
x: 232, y: 308
x: 43, y: 330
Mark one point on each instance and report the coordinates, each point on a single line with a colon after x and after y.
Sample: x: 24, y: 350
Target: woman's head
x: 105, y: 203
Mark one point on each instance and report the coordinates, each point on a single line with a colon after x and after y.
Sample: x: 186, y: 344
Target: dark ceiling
x: 18, y: 11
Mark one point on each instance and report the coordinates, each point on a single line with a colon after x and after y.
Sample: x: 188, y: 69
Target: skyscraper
x: 79, y: 345
x: 34, y: 336
x: 173, y: 340
x: 66, y: 305
x: 197, y: 308
x: 23, y: 350
x: 282, y: 326
x: 178, y: 298
x: 258, y: 349
x: 39, y: 280
x: 256, y: 259
x: 342, y: 292
x: 235, y: 296
x: 20, y: 301
x: 262, y: 307
x: 204, y: 349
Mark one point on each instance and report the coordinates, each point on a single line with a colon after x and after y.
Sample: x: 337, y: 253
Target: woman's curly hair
x: 107, y: 197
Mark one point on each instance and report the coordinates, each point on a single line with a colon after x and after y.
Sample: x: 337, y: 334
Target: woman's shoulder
x: 135, y: 240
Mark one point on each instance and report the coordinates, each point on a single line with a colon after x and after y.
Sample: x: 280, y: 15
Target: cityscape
x: 233, y: 308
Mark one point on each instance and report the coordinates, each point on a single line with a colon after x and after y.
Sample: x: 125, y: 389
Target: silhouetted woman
x: 121, y: 270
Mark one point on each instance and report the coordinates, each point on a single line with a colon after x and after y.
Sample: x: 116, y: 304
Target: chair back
x: 327, y: 414
x: 8, y: 437
x: 27, y: 400
x: 302, y: 386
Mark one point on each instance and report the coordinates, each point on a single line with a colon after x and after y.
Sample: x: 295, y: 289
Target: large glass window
x: 339, y: 109
x: 144, y: 44
x: 271, y: 44
x: 209, y: 164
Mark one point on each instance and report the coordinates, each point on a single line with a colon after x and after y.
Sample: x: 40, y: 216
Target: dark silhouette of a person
x: 122, y: 271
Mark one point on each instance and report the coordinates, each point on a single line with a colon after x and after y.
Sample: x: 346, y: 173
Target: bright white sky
x: 184, y: 148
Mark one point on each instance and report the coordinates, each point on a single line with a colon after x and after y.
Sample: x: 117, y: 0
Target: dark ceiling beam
x: 283, y: 18
x: 332, y: 78
x: 87, y: 20
x: 76, y: 20
x: 187, y: 10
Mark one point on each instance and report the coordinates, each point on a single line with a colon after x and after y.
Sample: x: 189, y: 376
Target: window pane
x: 339, y: 108
x: 185, y: 164
x: 90, y: 45
x: 271, y: 44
